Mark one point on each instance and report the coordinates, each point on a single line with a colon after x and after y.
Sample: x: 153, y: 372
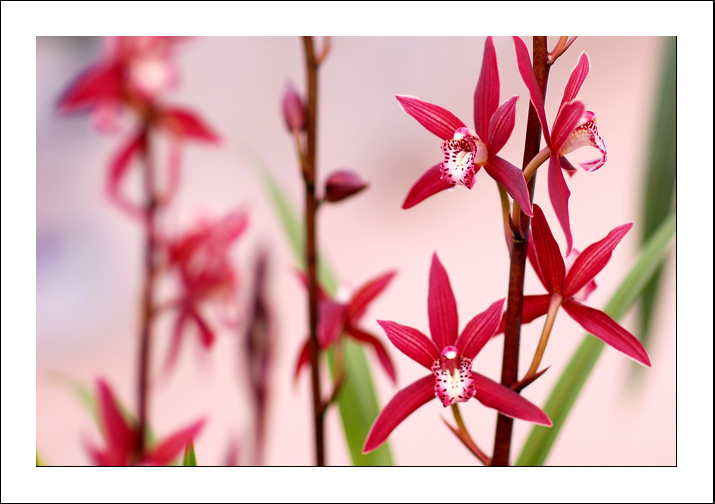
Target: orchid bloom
x: 133, y: 74
x: 570, y: 286
x: 449, y: 358
x: 206, y: 273
x: 573, y: 127
x: 338, y: 317
x: 465, y: 150
x: 122, y: 437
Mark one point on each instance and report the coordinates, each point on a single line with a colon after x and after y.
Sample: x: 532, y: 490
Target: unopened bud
x: 293, y: 110
x: 342, y: 184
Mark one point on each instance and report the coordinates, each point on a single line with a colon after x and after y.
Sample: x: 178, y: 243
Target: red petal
x: 527, y: 75
x: 294, y: 110
x: 534, y: 260
x: 566, y: 165
x: 304, y: 280
x: 342, y: 184
x: 121, y: 437
x: 330, y: 321
x: 592, y: 260
x: 576, y: 78
x: 174, y: 445
x: 427, y: 185
x: 486, y: 95
x: 176, y: 339
x: 441, y: 306
x: 118, y: 169
x: 607, y: 330
x: 411, y: 342
x: 479, y: 330
x: 512, y: 179
x: 533, y: 308
x: 100, y: 83
x: 207, y: 335
x: 547, y: 251
x: 567, y: 119
x: 506, y: 401
x: 184, y: 123
x: 436, y: 119
x: 501, y: 126
x: 303, y: 358
x: 559, y: 195
x: 405, y: 402
x: 379, y: 349
x: 365, y: 295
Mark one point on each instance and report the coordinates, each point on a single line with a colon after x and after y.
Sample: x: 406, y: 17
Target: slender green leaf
x: 659, y: 183
x: 567, y: 389
x: 189, y: 455
x: 357, y: 401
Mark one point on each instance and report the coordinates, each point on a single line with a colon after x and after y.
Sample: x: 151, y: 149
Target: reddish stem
x: 515, y: 300
x: 150, y: 269
x: 311, y: 258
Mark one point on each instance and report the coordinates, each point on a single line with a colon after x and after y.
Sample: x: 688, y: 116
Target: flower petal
x: 174, y: 445
x: 506, y: 401
x: 479, y: 330
x: 533, y: 308
x: 99, y: 83
x: 303, y: 359
x: 559, y: 195
x: 364, y: 296
x: 576, y: 78
x: 486, y: 95
x: 568, y: 118
x: 607, y: 330
x: 441, y: 306
x: 186, y: 124
x: 534, y: 260
x: 342, y: 184
x: 512, y: 179
x: 176, y: 339
x: 304, y: 280
x: 429, y: 184
x: 527, y: 75
x: 120, y: 436
x: 411, y: 342
x: 547, y: 250
x: 566, y: 165
x: 118, y: 169
x: 501, y: 126
x: 405, y: 402
x: 436, y: 119
x: 382, y: 354
x: 330, y: 321
x: 205, y: 332
x: 592, y: 260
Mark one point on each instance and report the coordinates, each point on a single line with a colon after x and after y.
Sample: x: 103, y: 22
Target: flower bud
x: 342, y: 184
x: 293, y: 110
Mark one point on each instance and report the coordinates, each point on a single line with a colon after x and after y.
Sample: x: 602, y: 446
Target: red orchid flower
x: 449, y: 358
x: 466, y: 151
x: 336, y: 318
x: 573, y: 127
x: 201, y: 258
x: 122, y: 437
x: 572, y: 285
x: 132, y: 75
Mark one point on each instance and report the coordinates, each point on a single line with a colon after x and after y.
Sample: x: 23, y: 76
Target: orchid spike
x: 448, y: 355
x: 465, y: 150
x: 573, y: 127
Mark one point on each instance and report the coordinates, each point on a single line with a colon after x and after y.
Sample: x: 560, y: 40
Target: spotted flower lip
x: 571, y: 284
x: 448, y: 355
x: 338, y: 316
x: 573, y: 127
x: 466, y: 151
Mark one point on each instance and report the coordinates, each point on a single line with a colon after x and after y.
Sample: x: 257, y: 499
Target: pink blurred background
x: 89, y: 255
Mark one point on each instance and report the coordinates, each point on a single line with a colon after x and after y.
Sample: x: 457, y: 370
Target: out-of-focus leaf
x: 189, y: 455
x: 572, y: 380
x: 659, y: 183
x: 39, y: 461
x: 357, y: 400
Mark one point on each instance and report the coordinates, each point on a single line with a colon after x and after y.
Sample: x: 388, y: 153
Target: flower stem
x: 556, y: 300
x: 515, y: 300
x: 466, y: 438
x: 150, y: 270
x: 311, y: 258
